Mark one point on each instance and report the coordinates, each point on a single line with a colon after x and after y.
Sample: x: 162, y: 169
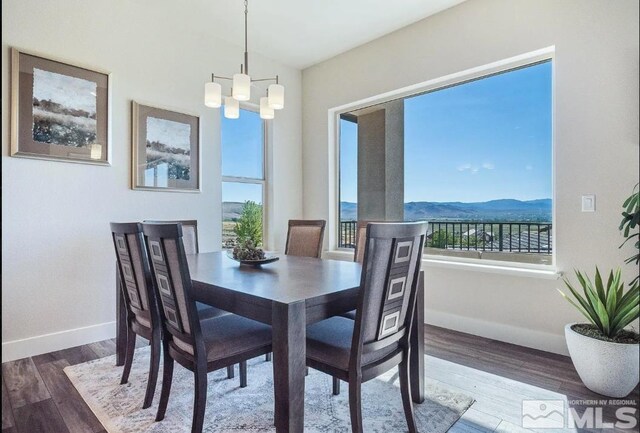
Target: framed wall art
x: 166, y: 149
x: 59, y: 111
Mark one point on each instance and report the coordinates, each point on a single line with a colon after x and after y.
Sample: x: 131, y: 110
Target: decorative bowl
x: 267, y: 259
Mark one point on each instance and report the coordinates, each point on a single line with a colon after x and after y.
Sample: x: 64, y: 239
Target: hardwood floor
x: 38, y: 397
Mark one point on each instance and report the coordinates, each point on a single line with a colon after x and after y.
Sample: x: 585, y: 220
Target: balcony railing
x: 514, y: 237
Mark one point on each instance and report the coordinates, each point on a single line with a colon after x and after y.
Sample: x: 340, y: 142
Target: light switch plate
x: 589, y: 203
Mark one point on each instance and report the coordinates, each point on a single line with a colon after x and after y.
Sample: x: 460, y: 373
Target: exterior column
x: 381, y: 162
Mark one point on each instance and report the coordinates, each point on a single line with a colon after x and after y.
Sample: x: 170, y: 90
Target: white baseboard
x: 497, y: 331
x: 39, y: 344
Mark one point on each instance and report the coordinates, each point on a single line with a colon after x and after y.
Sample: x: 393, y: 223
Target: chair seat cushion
x: 230, y: 335
x: 207, y: 311
x: 329, y: 342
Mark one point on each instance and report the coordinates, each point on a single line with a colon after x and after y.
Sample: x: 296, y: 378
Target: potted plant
x: 630, y: 220
x: 604, y: 353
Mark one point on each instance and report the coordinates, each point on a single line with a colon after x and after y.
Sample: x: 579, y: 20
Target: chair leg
x: 167, y: 377
x: 355, y: 405
x: 336, y: 386
x: 200, y: 400
x: 131, y: 347
x: 231, y: 372
x: 154, y: 366
x: 267, y: 357
x: 243, y: 374
x: 405, y: 389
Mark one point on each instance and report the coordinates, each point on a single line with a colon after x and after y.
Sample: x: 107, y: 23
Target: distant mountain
x: 231, y: 210
x: 494, y: 210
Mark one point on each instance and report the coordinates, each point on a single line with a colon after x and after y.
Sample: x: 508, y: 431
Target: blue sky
x: 483, y: 140
x: 242, y: 151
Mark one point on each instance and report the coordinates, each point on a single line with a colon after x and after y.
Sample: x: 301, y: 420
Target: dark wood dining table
x: 288, y: 295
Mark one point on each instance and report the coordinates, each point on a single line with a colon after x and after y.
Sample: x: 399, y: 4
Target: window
x: 243, y: 178
x: 474, y: 159
x: 348, y: 179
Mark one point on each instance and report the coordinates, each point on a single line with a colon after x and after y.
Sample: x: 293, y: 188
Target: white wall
x: 596, y: 141
x: 57, y: 256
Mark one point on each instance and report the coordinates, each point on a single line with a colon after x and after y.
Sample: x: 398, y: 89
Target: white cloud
x: 488, y: 166
x: 464, y: 167
x: 475, y: 170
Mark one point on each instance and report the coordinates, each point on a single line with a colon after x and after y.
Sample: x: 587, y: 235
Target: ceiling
x: 300, y: 33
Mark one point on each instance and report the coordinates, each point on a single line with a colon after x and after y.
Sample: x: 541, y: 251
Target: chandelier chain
x: 246, y: 55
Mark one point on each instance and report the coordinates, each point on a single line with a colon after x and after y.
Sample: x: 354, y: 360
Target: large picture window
x: 474, y: 159
x: 243, y: 178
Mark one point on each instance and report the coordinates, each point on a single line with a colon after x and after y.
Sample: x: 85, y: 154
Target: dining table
x: 288, y: 295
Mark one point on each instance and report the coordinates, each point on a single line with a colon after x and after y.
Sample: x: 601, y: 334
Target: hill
x: 231, y: 210
x: 494, y: 210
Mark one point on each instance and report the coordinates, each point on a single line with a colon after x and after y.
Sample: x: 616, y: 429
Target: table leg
x: 121, y: 323
x: 416, y: 361
x: 289, y: 361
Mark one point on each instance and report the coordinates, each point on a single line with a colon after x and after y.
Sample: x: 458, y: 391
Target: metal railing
x: 515, y: 237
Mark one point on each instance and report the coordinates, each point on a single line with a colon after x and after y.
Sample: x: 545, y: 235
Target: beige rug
x: 234, y: 409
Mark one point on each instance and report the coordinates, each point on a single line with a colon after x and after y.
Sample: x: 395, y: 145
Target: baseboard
x: 39, y: 344
x: 497, y: 331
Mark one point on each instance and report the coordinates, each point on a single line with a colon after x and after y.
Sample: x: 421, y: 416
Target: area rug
x: 234, y: 409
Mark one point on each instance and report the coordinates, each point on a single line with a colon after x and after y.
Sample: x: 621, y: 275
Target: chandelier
x: 241, y: 88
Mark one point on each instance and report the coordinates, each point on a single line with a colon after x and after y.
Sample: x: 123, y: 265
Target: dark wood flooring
x: 38, y: 397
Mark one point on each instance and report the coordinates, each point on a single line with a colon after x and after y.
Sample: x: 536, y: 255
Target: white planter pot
x: 610, y: 369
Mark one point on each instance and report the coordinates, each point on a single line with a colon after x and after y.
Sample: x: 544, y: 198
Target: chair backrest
x: 134, y: 271
x: 170, y: 271
x: 305, y: 237
x: 189, y: 233
x: 361, y: 237
x: 392, y: 258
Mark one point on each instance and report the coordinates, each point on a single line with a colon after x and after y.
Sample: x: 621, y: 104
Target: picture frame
x: 60, y: 111
x: 165, y: 149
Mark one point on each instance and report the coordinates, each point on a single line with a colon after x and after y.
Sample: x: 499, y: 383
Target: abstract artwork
x: 165, y: 149
x: 61, y: 111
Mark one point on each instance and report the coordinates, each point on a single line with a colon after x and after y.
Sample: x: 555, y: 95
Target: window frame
x: 250, y: 180
x: 458, y: 78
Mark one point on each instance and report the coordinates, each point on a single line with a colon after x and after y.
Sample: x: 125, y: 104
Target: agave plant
x: 607, y: 307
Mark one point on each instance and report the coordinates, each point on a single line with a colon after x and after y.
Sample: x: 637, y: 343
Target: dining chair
x: 358, y: 256
x: 361, y: 237
x: 198, y: 345
x: 378, y: 339
x: 190, y: 240
x: 139, y: 299
x: 305, y: 237
x: 189, y: 233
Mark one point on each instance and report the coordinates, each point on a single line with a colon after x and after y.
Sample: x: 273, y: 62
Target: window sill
x: 478, y: 265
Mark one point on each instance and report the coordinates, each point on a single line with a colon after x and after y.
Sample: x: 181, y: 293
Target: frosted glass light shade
x: 241, y: 87
x: 266, y: 112
x: 212, y: 95
x: 276, y: 96
x: 231, y: 108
